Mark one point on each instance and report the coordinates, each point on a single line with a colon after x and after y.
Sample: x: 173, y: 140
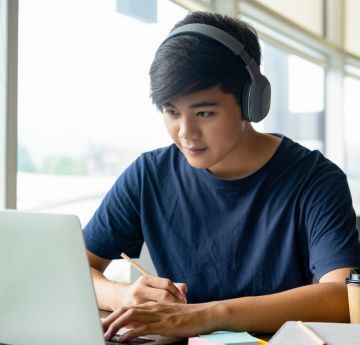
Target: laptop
x: 46, y: 291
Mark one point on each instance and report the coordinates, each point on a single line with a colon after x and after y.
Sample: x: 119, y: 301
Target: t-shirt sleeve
x: 116, y: 225
x: 330, y: 223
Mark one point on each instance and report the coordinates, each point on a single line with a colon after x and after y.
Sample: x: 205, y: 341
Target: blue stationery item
x: 224, y: 337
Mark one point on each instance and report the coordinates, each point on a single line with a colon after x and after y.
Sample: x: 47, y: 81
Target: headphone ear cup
x: 245, y: 101
x: 258, y: 96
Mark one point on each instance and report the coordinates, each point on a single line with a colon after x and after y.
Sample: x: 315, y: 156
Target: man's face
x: 207, y: 126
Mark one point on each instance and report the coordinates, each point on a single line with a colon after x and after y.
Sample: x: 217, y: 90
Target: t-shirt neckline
x: 255, y: 175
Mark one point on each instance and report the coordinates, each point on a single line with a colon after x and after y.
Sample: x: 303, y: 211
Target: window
x: 297, y: 106
x: 352, y: 138
x: 84, y: 115
x: 306, y: 13
x: 352, y: 26
x: 84, y: 106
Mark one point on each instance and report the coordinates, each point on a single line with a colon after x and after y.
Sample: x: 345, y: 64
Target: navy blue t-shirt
x: 269, y: 232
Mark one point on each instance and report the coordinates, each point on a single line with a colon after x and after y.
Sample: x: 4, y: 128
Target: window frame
x: 8, y: 95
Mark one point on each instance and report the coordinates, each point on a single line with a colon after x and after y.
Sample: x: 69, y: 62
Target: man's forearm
x: 108, y: 293
x: 318, y: 302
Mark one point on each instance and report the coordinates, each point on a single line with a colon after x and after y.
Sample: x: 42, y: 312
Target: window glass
x: 306, y: 13
x: 352, y: 137
x: 352, y: 26
x: 84, y: 106
x: 297, y: 106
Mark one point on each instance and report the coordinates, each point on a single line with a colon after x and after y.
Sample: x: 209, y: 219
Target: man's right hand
x: 113, y: 295
x: 150, y: 288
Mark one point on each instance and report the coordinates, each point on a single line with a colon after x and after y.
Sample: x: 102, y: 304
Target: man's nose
x: 189, y: 129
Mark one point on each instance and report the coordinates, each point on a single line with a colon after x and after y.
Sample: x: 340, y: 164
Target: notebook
x: 47, y: 296
x: 331, y: 333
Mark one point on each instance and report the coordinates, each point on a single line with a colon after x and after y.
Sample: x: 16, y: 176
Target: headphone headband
x: 257, y: 95
x: 215, y: 33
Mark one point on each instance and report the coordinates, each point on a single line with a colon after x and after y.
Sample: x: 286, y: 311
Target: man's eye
x: 170, y: 112
x: 204, y: 113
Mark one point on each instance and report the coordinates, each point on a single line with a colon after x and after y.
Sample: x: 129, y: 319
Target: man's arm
x: 325, y: 301
x: 107, y: 292
x: 111, y: 295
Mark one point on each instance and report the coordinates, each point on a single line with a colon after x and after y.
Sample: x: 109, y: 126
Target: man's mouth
x: 194, y: 150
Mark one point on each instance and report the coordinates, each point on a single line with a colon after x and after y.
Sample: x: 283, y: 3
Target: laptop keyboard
x: 134, y: 341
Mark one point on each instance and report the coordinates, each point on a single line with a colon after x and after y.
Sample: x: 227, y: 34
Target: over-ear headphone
x: 257, y: 93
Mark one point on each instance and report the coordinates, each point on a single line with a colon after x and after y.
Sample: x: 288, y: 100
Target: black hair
x: 188, y: 63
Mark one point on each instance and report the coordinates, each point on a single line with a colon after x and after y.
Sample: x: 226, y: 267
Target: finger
x: 182, y: 287
x: 144, y: 293
x: 159, y: 295
x: 130, y: 316
x: 164, y: 284
x: 138, y: 332
x: 151, y: 288
x: 106, y: 322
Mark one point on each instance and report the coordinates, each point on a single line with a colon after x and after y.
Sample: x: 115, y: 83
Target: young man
x: 238, y: 223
